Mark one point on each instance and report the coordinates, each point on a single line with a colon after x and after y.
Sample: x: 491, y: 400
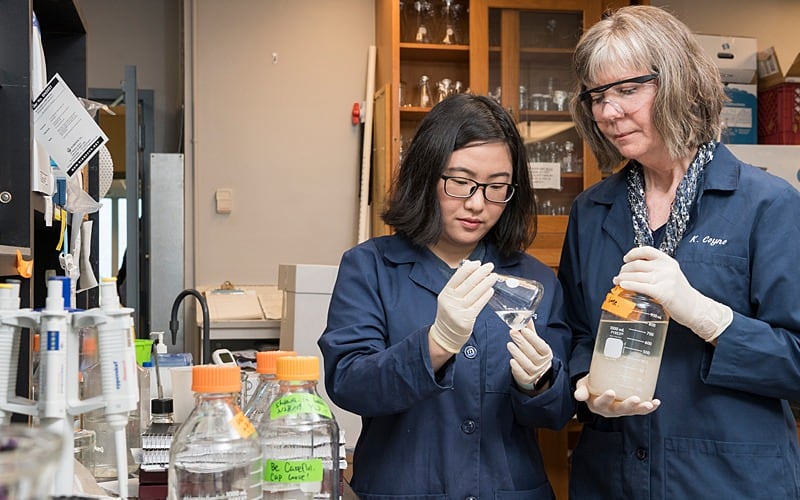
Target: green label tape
x: 293, y: 471
x: 294, y: 404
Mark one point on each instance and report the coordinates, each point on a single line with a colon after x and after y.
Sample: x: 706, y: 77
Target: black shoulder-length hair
x: 413, y: 208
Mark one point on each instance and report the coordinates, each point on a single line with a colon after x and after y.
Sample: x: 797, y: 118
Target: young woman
x: 450, y: 398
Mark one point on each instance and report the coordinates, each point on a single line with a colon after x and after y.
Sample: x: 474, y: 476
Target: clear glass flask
x: 425, y: 98
x: 628, y: 347
x: 300, y: 440
x: 515, y: 299
x: 215, y: 453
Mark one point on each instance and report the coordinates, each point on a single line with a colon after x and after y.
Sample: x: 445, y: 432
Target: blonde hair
x: 690, y: 94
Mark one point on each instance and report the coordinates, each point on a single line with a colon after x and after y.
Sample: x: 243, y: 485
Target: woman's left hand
x: 531, y: 357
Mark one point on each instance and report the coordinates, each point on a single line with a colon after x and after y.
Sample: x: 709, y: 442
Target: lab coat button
x: 468, y: 426
x: 470, y: 351
x: 641, y: 453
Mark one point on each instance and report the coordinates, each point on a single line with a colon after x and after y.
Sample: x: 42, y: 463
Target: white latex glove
x: 531, y: 357
x: 460, y: 302
x: 607, y: 406
x: 652, y: 272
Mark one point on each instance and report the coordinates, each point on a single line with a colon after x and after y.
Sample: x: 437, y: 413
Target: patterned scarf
x: 681, y: 205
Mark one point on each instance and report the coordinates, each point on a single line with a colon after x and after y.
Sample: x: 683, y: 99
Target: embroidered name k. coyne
x: 708, y: 240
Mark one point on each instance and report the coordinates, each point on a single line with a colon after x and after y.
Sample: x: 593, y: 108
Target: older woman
x: 715, y: 242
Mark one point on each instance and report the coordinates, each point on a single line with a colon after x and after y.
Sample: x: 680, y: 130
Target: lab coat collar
x: 721, y: 174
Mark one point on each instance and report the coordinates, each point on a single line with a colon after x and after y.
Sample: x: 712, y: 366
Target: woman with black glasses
x: 714, y: 241
x: 450, y: 398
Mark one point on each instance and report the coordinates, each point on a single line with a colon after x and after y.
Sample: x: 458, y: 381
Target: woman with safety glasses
x: 714, y: 241
x: 450, y: 399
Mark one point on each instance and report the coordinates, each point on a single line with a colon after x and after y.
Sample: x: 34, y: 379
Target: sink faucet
x: 173, y: 321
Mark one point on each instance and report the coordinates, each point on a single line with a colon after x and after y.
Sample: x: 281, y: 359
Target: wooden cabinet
x: 519, y: 51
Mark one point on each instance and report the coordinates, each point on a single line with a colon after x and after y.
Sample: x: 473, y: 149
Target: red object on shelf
x: 779, y: 114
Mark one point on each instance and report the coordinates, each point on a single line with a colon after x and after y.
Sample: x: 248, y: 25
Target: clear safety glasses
x: 624, y: 97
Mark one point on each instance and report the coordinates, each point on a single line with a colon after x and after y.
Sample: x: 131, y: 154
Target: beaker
x: 628, y: 347
x: 29, y: 457
x: 515, y: 299
x: 425, y: 99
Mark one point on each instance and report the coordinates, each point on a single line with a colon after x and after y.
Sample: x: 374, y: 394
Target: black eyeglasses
x: 462, y: 187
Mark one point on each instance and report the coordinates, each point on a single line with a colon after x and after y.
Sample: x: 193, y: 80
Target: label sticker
x: 294, y: 404
x: 618, y: 306
x: 242, y: 425
x: 293, y: 471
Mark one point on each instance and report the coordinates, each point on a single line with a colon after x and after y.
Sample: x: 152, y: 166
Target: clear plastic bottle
x: 629, y: 344
x: 143, y: 376
x: 258, y: 405
x: 300, y: 440
x: 105, y: 458
x: 216, y: 452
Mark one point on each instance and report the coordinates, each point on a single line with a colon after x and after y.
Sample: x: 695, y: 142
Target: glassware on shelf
x: 444, y: 89
x: 423, y: 11
x: 498, y: 94
x: 560, y: 100
x: 566, y: 160
x: 402, y: 94
x: 523, y: 97
x: 551, y: 27
x: 425, y: 100
x: 451, y: 14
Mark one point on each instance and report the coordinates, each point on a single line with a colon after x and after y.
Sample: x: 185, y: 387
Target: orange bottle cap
x: 216, y: 378
x: 297, y: 368
x: 265, y: 360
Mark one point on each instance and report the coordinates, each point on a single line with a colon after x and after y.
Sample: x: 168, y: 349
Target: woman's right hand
x: 607, y: 406
x: 460, y: 302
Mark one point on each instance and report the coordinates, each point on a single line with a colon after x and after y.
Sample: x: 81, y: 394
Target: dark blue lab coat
x: 724, y: 429
x: 463, y: 432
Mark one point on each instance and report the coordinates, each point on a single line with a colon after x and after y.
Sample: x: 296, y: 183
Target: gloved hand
x: 606, y: 406
x: 656, y: 274
x: 460, y: 302
x: 531, y: 357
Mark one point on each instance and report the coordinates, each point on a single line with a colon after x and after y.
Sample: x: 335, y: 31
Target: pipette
x: 120, y: 391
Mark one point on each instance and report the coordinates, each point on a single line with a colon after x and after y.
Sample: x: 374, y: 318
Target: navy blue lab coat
x: 463, y: 432
x: 724, y: 429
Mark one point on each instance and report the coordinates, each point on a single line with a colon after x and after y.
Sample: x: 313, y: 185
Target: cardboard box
x: 770, y: 73
x: 779, y: 114
x: 736, y: 56
x: 740, y: 114
x: 782, y: 161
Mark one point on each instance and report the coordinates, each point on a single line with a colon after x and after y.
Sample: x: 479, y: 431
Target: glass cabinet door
x: 530, y: 73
